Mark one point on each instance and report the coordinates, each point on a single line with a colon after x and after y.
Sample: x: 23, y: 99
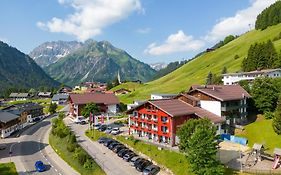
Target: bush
x: 82, y: 157
x: 88, y: 164
x: 236, y: 57
x: 268, y: 115
x: 71, y: 138
x: 71, y: 147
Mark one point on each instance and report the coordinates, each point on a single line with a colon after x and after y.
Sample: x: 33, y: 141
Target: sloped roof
x: 175, y: 108
x: 7, y: 116
x: 29, y: 106
x: 222, y: 92
x: 19, y: 95
x: 98, y: 98
x: 58, y: 97
x: 44, y: 93
x: 263, y: 71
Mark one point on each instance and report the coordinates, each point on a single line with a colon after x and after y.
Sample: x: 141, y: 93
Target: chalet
x: 9, y: 123
x: 229, y: 101
x: 159, y: 120
x: 60, y: 98
x: 29, y: 112
x: 162, y: 96
x: 44, y: 94
x: 19, y: 96
x: 107, y: 102
x: 121, y: 91
x: 234, y: 78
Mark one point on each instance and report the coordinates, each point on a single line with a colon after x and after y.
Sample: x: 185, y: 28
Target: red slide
x: 276, y: 160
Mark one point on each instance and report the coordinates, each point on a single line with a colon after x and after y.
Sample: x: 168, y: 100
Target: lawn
x: 196, y: 71
x: 8, y: 169
x: 59, y: 145
x: 261, y: 131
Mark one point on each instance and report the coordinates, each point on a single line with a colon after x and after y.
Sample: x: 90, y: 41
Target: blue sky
x: 149, y: 30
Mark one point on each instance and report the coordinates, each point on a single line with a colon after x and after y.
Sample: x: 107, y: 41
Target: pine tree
x: 224, y: 70
x: 209, y: 79
x: 276, y: 123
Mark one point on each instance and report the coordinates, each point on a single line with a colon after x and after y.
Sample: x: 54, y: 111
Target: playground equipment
x: 277, y: 154
x: 255, y: 155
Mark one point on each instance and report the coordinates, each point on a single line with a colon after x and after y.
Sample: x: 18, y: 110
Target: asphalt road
x: 32, y: 146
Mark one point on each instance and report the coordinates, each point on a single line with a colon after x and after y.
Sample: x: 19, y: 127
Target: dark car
x: 107, y: 142
x: 141, y: 166
x: 134, y: 159
x: 102, y: 128
x: 151, y: 170
x: 83, y: 122
x: 123, y: 152
x: 128, y: 156
x: 113, y: 145
x: 102, y: 139
x: 39, y: 166
x: 118, y: 148
x: 139, y: 161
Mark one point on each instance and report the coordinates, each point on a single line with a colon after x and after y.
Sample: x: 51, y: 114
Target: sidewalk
x: 49, y: 153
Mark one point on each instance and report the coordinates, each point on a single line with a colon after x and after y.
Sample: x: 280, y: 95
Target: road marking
x: 56, y: 170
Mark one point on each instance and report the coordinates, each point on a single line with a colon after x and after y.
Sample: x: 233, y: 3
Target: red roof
x: 222, y: 92
x: 98, y: 98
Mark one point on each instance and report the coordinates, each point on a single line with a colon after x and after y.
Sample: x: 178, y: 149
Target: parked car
x: 3, y: 146
x: 108, y: 130
x: 140, y: 167
x: 102, y: 139
x: 102, y: 128
x: 134, y: 159
x: 139, y: 161
x: 118, y: 148
x: 123, y: 152
x: 113, y: 145
x: 97, y: 126
x: 107, y: 142
x: 151, y: 170
x: 39, y: 166
x: 115, y: 131
x: 128, y: 156
x: 83, y: 122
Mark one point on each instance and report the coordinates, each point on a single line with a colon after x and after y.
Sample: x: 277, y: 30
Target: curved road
x: 33, y: 145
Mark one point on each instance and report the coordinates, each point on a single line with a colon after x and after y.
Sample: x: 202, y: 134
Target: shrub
x: 236, y: 57
x: 82, y: 157
x: 88, y: 164
x: 268, y: 115
x: 71, y: 138
x: 71, y: 147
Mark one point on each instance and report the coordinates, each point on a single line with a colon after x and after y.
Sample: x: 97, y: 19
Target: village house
x: 29, y: 112
x: 121, y: 91
x: 229, y: 101
x: 234, y: 78
x: 9, y: 123
x: 19, y: 96
x: 60, y: 99
x: 135, y: 104
x: 159, y: 120
x: 107, y: 102
x: 44, y: 94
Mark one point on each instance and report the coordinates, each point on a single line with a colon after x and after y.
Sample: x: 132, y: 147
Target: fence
x: 260, y: 172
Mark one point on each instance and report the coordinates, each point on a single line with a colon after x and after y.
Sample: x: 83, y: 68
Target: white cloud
x: 144, y: 30
x: 91, y: 16
x: 241, y: 22
x: 178, y: 42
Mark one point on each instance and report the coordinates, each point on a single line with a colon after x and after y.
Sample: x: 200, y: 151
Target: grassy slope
x: 268, y: 137
x: 195, y: 72
x: 8, y: 169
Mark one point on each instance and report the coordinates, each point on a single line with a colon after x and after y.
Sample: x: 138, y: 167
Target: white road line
x: 56, y: 170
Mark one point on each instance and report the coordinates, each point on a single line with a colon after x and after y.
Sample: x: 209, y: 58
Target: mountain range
x: 89, y: 61
x: 18, y: 70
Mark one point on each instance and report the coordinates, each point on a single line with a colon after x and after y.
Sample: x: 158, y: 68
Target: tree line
x: 269, y: 17
x: 261, y: 56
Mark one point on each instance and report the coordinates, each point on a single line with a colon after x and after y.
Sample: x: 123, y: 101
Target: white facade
x: 136, y: 103
x: 162, y: 96
x: 112, y: 109
x: 234, y: 78
x: 212, y: 106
